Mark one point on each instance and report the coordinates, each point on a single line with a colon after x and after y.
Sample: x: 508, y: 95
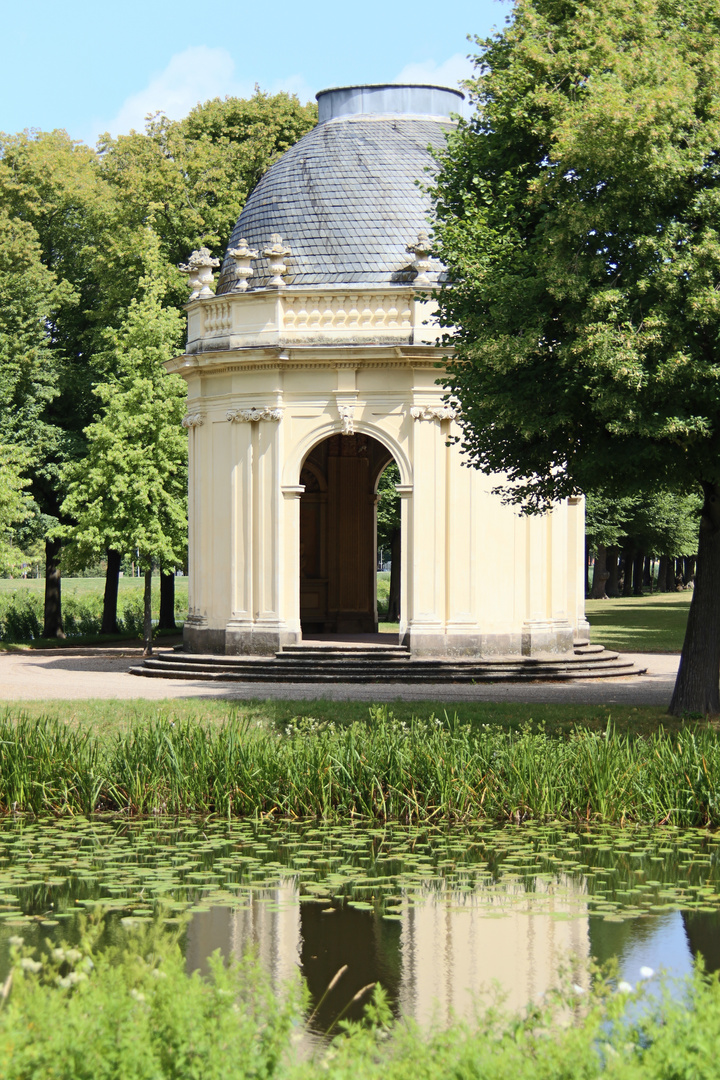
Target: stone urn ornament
x: 242, y: 255
x: 422, y: 264
x: 199, y: 269
x: 276, y: 254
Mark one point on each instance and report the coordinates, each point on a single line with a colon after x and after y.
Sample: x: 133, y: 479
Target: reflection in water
x: 456, y: 947
x: 268, y: 923
x: 434, y: 957
x: 443, y: 952
x: 436, y: 916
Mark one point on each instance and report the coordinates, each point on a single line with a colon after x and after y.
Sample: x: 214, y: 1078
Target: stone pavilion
x: 311, y: 368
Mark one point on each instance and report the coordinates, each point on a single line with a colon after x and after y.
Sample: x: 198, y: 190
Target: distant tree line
x: 641, y: 542
x: 92, y: 452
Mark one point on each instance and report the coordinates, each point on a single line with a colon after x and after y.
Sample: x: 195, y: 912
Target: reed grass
x: 385, y: 769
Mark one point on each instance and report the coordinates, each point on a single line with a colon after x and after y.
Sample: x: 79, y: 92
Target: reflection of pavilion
x: 444, y: 951
x: 268, y: 922
x: 457, y: 946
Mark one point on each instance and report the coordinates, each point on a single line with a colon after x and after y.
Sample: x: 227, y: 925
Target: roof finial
x: 422, y: 264
x: 199, y: 269
x: 242, y: 256
x: 275, y: 254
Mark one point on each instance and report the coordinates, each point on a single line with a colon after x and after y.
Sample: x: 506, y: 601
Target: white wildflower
x: 137, y: 994
x: 28, y: 964
x: 625, y: 987
x: 73, y: 955
x: 646, y: 972
x: 16, y: 941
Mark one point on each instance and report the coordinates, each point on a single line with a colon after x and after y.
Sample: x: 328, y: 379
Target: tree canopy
x: 578, y: 216
x: 76, y: 226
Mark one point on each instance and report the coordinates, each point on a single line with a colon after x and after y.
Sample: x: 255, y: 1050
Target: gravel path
x: 103, y: 673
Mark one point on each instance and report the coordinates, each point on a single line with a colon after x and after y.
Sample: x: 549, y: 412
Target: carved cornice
x: 253, y: 416
x: 193, y: 420
x: 435, y: 412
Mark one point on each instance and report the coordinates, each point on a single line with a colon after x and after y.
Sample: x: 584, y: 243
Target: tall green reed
x: 384, y: 769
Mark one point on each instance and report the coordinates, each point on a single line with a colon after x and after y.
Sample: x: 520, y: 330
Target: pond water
x: 436, y: 916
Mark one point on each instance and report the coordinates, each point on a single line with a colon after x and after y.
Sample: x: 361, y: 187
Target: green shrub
x: 82, y: 616
x: 21, y: 615
x: 132, y: 1012
x: 130, y: 620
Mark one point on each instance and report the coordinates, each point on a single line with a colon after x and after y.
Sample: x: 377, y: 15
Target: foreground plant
x: 132, y: 1012
x: 437, y: 770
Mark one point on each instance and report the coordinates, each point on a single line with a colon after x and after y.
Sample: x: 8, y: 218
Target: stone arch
x: 338, y: 533
x: 296, y: 457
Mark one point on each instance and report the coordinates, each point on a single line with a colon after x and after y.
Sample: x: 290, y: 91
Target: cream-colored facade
x: 316, y: 364
x: 273, y: 373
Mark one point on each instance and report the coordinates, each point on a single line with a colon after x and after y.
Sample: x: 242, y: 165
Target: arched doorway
x: 338, y: 551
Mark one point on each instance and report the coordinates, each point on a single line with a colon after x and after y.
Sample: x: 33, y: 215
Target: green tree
x: 129, y: 493
x: 578, y: 215
x: 190, y: 178
x: 15, y: 506
x: 50, y: 187
x: 661, y: 523
x: 388, y: 533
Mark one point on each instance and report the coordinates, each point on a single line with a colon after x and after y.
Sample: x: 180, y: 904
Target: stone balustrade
x: 277, y: 316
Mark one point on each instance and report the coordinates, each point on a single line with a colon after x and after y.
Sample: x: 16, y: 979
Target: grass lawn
x: 640, y: 623
x: 83, y: 587
x: 653, y: 623
x: 107, y: 718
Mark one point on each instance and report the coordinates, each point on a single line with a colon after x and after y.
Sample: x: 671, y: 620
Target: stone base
x: 547, y: 639
x: 552, y: 640
x: 201, y: 639
x: 234, y: 642
x: 259, y: 641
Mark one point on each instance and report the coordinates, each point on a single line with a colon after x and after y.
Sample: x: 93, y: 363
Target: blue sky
x: 91, y: 67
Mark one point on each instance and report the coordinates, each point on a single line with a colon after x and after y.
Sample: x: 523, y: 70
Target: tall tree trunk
x: 627, y: 571
x: 612, y: 564
x: 167, y: 601
x: 147, y: 613
x: 648, y: 573
x: 393, y: 613
x: 600, y: 574
x: 697, y: 688
x: 638, y: 564
x: 688, y: 568
x: 663, y: 573
x: 52, y: 620
x: 110, y: 599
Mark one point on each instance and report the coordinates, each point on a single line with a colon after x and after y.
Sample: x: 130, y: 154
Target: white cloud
x: 449, y: 73
x: 195, y: 75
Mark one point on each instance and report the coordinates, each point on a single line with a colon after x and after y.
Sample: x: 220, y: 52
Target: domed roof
x: 345, y: 198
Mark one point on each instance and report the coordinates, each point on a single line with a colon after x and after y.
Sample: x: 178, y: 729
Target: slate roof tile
x: 345, y: 201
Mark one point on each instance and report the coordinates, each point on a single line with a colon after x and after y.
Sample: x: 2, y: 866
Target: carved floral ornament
x: 193, y: 420
x: 435, y: 412
x: 347, y: 416
x: 242, y: 256
x: 253, y: 416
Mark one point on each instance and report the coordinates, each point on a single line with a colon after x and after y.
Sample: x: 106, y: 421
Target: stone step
x: 262, y: 669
